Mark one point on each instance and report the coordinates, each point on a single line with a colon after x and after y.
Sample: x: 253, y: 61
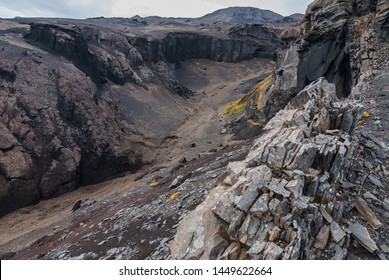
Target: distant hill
x: 230, y: 15
x: 241, y: 15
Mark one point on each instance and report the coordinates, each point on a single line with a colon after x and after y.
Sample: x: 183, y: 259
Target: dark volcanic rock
x: 323, y: 50
x: 55, y: 135
x: 241, y: 15
x: 95, y: 60
x: 239, y: 43
x: 231, y: 15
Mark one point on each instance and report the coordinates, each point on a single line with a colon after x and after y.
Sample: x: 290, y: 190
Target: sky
x: 129, y: 8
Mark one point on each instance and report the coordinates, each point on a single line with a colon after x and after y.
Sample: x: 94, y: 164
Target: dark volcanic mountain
x: 232, y: 15
x: 240, y: 15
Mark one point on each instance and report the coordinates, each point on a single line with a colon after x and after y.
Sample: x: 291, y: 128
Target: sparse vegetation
x: 365, y: 115
x: 238, y: 106
x: 235, y: 107
x: 173, y: 196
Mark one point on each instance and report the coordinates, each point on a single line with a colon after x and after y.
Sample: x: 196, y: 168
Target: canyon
x: 239, y: 135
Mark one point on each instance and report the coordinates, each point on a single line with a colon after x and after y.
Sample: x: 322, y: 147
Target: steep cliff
x: 55, y: 134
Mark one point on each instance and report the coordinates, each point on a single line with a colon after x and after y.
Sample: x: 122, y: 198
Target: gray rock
x: 235, y: 168
x: 322, y: 238
x: 177, y: 182
x: 347, y: 185
x: 385, y: 248
x: 273, y: 205
x: 214, y: 248
x: 260, y: 176
x: 272, y: 252
x: 283, y: 208
x: 321, y: 121
x: 368, y: 164
x: 224, y: 207
x: 304, y: 157
x: 198, y: 229
x: 277, y: 186
x: 257, y: 248
x: 260, y: 206
x: 367, y: 213
x: 296, y: 187
x: 375, y: 181
x: 325, y: 214
x: 369, y: 195
x: 337, y: 232
x: 361, y: 234
x: 236, y: 221
x: 232, y: 252
x: 372, y: 138
x: 340, y: 253
x: 248, y: 198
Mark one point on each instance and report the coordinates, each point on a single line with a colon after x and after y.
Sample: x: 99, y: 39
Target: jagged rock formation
x: 271, y: 211
x: 335, y: 42
x: 330, y: 30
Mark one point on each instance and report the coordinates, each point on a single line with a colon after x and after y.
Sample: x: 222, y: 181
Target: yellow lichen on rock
x: 173, y: 196
x: 154, y: 184
x: 235, y: 107
x: 260, y: 88
x: 365, y: 115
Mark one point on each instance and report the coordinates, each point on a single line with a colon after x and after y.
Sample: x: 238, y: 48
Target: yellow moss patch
x: 365, y: 115
x: 173, y: 196
x: 261, y: 90
x: 154, y: 184
x: 235, y: 107
x: 239, y: 105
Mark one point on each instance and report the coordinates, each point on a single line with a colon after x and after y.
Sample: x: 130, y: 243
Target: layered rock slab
x: 273, y: 209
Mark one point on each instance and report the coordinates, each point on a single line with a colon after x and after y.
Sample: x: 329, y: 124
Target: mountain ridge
x: 228, y: 15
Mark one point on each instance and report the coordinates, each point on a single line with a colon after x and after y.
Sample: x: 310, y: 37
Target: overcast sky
x: 129, y: 8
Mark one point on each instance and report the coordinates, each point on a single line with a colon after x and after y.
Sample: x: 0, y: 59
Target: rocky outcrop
x: 239, y: 43
x: 383, y: 18
x: 274, y: 207
x: 324, y: 45
x: 335, y: 40
x: 87, y: 49
x: 56, y: 134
